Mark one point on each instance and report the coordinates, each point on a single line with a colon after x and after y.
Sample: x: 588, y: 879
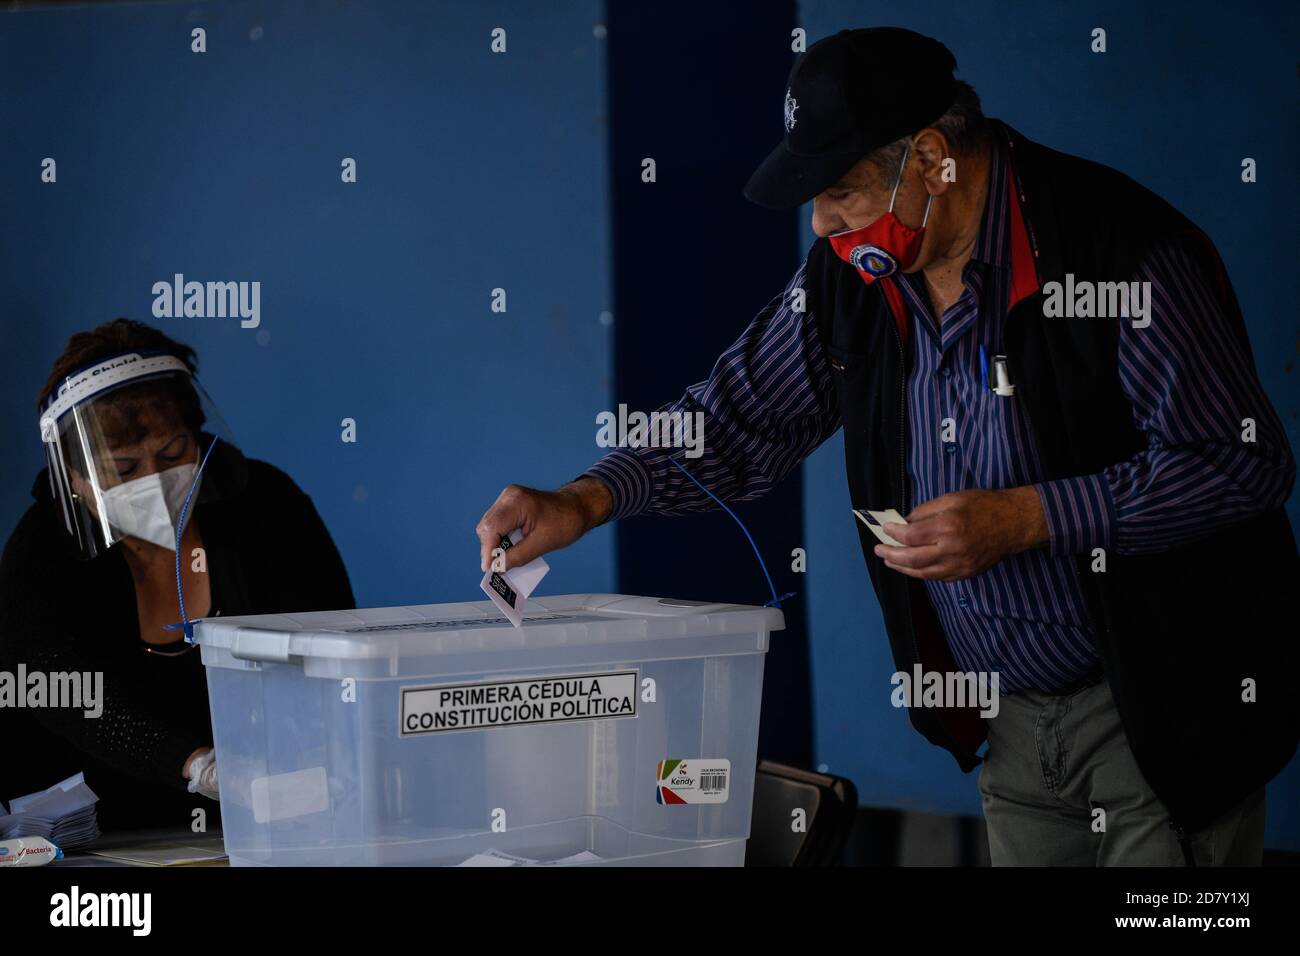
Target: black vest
x: 1179, y: 631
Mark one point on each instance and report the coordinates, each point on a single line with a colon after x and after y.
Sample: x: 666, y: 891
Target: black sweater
x: 267, y: 551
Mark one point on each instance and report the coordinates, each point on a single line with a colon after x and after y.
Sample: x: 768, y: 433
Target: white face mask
x: 148, y: 507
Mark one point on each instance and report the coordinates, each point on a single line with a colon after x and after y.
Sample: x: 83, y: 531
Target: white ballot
x: 495, y: 857
x: 875, y: 519
x: 509, y: 589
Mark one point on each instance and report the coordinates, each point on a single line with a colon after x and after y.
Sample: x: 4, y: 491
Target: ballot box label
x: 693, y: 780
x: 481, y: 705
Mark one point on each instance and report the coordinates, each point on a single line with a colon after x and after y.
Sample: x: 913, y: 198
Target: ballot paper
x: 64, y: 814
x: 509, y: 589
x: 501, y: 858
x: 197, y: 851
x: 874, y: 520
x: 585, y: 856
x: 496, y: 858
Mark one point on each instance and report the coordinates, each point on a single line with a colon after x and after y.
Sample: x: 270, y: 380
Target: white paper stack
x: 64, y: 814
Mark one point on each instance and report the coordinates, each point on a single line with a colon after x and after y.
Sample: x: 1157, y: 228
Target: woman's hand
x: 201, y: 771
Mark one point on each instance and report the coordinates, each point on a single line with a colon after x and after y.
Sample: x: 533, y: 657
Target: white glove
x: 203, y: 775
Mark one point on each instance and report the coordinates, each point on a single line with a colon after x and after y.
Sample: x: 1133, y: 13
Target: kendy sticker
x: 693, y: 780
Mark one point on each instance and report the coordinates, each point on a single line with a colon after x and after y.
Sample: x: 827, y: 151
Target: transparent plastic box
x: 608, y: 729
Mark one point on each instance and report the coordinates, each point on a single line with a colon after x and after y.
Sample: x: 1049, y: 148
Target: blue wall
x: 704, y: 556
x: 1183, y: 94
x: 475, y: 171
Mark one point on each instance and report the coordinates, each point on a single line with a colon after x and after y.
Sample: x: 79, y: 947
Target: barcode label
x: 692, y: 780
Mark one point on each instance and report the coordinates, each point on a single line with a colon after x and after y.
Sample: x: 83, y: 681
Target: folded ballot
x: 875, y: 521
x: 510, y: 589
x: 64, y: 814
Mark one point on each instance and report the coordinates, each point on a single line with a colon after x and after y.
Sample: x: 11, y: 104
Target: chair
x: 829, y: 804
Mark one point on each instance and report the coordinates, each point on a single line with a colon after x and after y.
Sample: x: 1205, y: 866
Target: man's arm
x: 767, y: 404
x: 1192, y: 383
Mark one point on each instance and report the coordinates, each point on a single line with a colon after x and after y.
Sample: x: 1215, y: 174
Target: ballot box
x: 607, y: 729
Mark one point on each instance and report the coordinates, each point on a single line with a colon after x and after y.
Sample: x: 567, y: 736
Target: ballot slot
x: 382, y: 737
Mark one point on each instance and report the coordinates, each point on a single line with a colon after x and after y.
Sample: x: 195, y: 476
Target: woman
x: 88, y: 580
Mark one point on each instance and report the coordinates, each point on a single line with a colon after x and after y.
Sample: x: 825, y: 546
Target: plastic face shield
x: 123, y: 441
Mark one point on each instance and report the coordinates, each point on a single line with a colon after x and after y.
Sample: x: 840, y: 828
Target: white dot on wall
x: 255, y: 34
x: 823, y: 768
x: 607, y: 318
x: 599, y: 31
x: 359, y: 493
x: 263, y: 336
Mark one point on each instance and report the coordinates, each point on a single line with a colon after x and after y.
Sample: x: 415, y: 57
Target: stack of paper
x: 63, y: 814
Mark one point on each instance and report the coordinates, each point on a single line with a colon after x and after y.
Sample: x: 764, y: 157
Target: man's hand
x: 958, y: 535
x: 550, y: 519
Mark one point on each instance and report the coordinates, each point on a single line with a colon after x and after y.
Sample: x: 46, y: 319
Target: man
x: 1091, y: 474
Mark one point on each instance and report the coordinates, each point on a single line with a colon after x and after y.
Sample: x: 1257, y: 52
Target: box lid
x: 564, y: 621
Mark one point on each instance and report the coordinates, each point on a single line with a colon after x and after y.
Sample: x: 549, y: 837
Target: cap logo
x: 872, y: 260
x: 791, y: 104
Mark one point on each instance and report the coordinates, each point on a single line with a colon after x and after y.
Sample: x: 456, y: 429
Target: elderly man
x: 1043, y: 366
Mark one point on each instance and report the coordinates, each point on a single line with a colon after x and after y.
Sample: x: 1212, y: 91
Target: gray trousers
x: 1053, y: 761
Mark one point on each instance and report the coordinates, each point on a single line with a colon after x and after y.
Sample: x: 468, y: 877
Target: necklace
x: 151, y: 649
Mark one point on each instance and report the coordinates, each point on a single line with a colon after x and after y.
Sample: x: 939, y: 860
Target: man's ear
x: 938, y: 163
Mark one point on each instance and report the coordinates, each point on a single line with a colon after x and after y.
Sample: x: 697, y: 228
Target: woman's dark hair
x: 134, y: 404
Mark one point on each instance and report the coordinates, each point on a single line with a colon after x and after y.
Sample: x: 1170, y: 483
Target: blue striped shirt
x: 770, y: 401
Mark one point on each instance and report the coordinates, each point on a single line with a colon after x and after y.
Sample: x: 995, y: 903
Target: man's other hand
x: 959, y: 535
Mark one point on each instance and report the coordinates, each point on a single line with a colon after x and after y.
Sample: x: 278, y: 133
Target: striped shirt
x: 770, y: 401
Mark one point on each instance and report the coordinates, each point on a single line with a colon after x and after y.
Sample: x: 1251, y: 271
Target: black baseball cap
x: 847, y: 95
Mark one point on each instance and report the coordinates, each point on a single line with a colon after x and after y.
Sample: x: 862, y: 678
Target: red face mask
x: 884, y: 245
